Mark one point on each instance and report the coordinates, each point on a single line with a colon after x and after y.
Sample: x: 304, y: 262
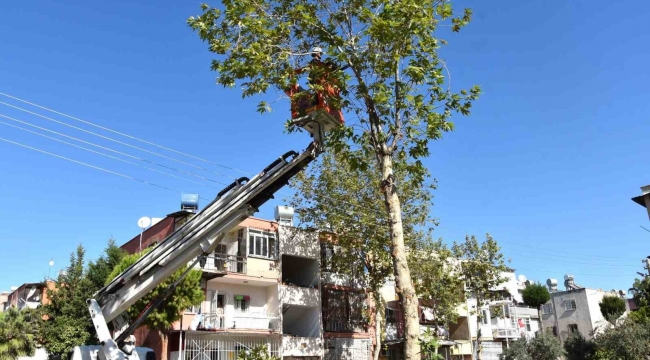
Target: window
x: 391, y: 316
x: 485, y: 317
x: 573, y: 328
x: 569, y: 305
x: 261, y: 243
x: 547, y: 309
x: 242, y: 303
x: 527, y: 322
x: 343, y: 310
x: 356, y: 301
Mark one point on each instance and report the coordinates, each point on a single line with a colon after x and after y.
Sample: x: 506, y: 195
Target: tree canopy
x: 535, y: 295
x: 395, y: 89
x: 544, y: 346
x: 68, y: 323
x: 612, y: 307
x: 18, y: 333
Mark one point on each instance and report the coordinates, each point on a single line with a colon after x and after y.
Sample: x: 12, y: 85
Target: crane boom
x: 194, y: 240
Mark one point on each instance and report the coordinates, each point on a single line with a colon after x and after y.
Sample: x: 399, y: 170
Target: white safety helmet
x: 316, y: 50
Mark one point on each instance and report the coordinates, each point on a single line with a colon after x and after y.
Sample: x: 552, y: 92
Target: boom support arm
x: 197, y: 237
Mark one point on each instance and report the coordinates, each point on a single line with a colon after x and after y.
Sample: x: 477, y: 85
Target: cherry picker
x: 190, y: 245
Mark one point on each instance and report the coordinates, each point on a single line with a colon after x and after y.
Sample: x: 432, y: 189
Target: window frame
x: 573, y: 328
x: 573, y: 306
x: 485, y: 317
x: 262, y: 244
x: 237, y: 302
x: 547, y: 309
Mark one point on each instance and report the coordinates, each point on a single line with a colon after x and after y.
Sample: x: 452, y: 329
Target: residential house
x: 502, y: 321
x: 346, y: 309
x: 4, y: 298
x: 28, y: 295
x: 261, y: 287
x: 574, y: 310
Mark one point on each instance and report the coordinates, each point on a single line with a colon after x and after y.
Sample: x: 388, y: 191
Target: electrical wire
x: 122, y: 134
x: 106, y: 155
x: 554, y: 252
x: 115, y: 140
x: 93, y: 166
x: 111, y: 150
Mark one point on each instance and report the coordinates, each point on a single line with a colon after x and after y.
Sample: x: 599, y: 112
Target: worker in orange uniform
x: 319, y: 76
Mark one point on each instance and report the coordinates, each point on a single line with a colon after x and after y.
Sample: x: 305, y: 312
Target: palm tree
x: 17, y: 333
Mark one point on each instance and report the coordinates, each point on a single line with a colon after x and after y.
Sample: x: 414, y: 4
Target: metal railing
x: 209, y: 346
x: 225, y: 263
x: 506, y: 333
x: 253, y: 321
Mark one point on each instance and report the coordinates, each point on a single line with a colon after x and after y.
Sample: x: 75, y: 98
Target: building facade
x: 574, y: 310
x: 262, y: 287
x: 28, y: 295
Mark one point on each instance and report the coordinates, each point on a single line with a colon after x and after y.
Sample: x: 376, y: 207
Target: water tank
x: 190, y: 202
x: 284, y: 215
x: 552, y: 285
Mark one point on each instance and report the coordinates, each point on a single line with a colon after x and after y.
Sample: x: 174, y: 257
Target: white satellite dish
x: 51, y: 262
x: 144, y: 222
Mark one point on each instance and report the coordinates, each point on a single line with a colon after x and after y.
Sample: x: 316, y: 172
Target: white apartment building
x: 261, y: 288
x: 575, y: 309
x: 502, y: 322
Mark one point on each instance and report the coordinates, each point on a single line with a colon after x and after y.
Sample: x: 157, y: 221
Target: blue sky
x: 547, y: 163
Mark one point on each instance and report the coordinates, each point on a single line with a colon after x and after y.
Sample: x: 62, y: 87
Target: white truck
x: 190, y: 245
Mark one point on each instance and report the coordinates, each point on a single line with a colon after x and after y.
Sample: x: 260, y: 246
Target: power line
x: 580, y: 263
x: 106, y: 155
x: 111, y: 150
x: 554, y: 251
x: 572, y: 256
x: 93, y: 166
x: 123, y: 134
x: 115, y: 140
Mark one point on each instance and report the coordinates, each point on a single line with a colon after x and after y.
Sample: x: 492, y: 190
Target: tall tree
x: 612, y: 307
x: 187, y: 294
x: 395, y: 86
x: 68, y: 322
x: 436, y: 275
x: 18, y: 330
x: 543, y: 346
x: 482, y: 266
x: 100, y: 269
x: 334, y: 196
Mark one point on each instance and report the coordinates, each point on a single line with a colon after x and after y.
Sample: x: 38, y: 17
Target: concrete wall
x: 294, y: 295
x: 301, y: 346
x: 298, y: 242
x: 259, y: 267
x: 261, y: 298
x: 581, y: 316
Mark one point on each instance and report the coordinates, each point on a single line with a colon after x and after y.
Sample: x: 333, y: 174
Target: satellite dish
x: 51, y: 262
x: 144, y: 222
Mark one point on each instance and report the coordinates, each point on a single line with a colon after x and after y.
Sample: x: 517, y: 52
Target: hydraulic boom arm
x: 195, y: 240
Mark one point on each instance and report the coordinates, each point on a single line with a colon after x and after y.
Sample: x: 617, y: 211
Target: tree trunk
x: 163, y: 340
x: 403, y: 284
x: 378, y: 317
x: 478, y: 329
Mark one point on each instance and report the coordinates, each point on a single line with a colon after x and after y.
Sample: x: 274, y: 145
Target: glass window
x: 485, y: 318
x: 356, y: 301
x: 547, y: 308
x: 573, y: 328
x: 262, y: 243
x: 527, y: 322
x: 569, y: 305
x: 241, y: 303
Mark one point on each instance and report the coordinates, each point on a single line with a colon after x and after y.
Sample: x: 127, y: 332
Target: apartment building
x: 4, y: 298
x: 261, y: 285
x: 502, y: 322
x: 574, y: 310
x: 346, y: 309
x: 27, y: 295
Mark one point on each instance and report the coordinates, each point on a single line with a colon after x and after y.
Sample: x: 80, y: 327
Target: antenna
x: 143, y: 223
x: 50, y: 270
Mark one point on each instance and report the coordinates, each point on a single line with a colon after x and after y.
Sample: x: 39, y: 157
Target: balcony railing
x: 506, y: 333
x: 225, y: 263
x: 252, y: 321
x: 344, y: 326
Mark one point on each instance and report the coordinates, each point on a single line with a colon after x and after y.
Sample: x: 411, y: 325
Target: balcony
x: 246, y: 321
x: 506, y: 333
x: 223, y: 263
x: 303, y: 296
x: 344, y: 326
x: 302, y: 346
